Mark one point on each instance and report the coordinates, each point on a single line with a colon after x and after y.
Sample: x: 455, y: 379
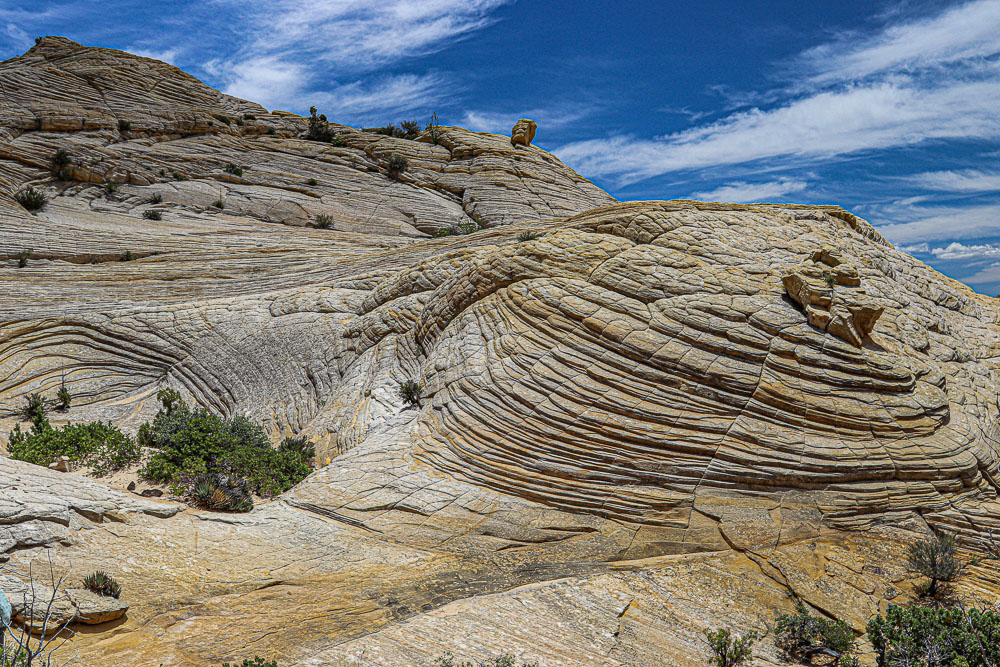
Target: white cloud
x: 501, y: 122
x: 945, y: 224
x: 956, y: 250
x: 740, y: 192
x: 968, y: 31
x: 388, y: 94
x: 291, y: 43
x: 933, y: 78
x: 967, y: 180
x: 923, y: 248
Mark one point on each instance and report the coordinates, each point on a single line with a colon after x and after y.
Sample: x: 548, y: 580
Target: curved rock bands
x: 587, y: 409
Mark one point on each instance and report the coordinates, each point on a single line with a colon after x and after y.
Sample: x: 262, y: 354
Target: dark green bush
x: 220, y: 491
x: 923, y: 636
x: 22, y: 258
x: 319, y: 129
x: 502, y: 660
x: 234, y: 169
x: 801, y: 634
x: 527, y: 236
x: 192, y: 442
x: 179, y: 176
x: 324, y: 221
x: 60, y: 160
x: 152, y: 214
x: 727, y: 651
x: 110, y: 190
x: 411, y: 392
x: 222, y: 118
x: 312, y: 181
x: 935, y: 559
x: 219, y: 204
x: 124, y: 126
x: 126, y: 256
x: 155, y: 199
x: 64, y: 397
x: 444, y: 231
x: 101, y: 446
x: 31, y: 199
x: 102, y: 583
x: 34, y: 407
x: 397, y: 165
x: 256, y: 662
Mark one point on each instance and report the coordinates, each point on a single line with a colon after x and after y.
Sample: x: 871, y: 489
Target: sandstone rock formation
x: 631, y: 431
x: 523, y: 132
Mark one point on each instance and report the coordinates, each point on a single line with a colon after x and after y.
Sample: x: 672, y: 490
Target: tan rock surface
x: 629, y: 432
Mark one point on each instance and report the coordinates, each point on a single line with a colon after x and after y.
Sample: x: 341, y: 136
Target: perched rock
x: 523, y: 132
x: 62, y: 464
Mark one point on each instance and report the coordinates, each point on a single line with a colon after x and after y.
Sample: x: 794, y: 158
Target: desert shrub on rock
x: 397, y: 165
x: 802, y: 635
x: 152, y: 214
x: 234, y: 169
x: 63, y: 397
x: 22, y: 258
x: 935, y: 559
x: 102, y: 583
x: 31, y: 200
x: 952, y: 637
x: 319, y: 128
x: 729, y: 651
x: 411, y: 391
x: 193, y: 442
x: 99, y: 445
x: 502, y: 660
x: 34, y: 407
x: 324, y: 221
x: 527, y: 236
x: 256, y: 661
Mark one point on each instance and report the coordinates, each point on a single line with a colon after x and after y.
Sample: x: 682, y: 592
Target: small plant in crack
x: 411, y: 392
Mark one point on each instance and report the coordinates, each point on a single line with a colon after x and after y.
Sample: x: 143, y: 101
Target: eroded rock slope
x: 638, y: 419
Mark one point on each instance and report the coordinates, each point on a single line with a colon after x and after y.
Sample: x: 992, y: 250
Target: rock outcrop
x: 523, y: 132
x: 630, y: 430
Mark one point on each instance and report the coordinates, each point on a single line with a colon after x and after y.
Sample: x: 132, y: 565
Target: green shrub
x: 102, y: 583
x: 312, y: 181
x: 101, y: 446
x: 397, y: 165
x: 16, y: 656
x: 222, y: 118
x: 155, y: 199
x: 935, y: 559
x: 527, y: 236
x: 801, y: 633
x: 219, y: 204
x: 179, y: 176
x: 298, y: 445
x: 249, y: 116
x: 408, y: 129
x: 110, y: 190
x: 829, y: 279
x: 152, y: 214
x: 34, y: 407
x: 31, y: 199
x: 411, y: 392
x: 324, y: 221
x: 936, y: 636
x: 234, y: 169
x: 193, y: 442
x: 60, y: 160
x: 444, y: 231
x: 256, y: 662
x: 220, y: 491
x: 727, y: 651
x: 22, y: 258
x: 469, y: 227
x: 64, y: 398
x: 434, y: 128
x: 126, y: 256
x: 319, y: 129
x: 124, y: 126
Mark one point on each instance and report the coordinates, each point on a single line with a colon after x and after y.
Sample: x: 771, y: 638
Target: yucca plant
x: 102, y: 583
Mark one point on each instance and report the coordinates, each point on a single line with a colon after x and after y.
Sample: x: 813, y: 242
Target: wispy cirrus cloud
x: 741, y: 192
x: 924, y: 79
x: 943, y: 223
x: 966, y: 180
x: 555, y: 116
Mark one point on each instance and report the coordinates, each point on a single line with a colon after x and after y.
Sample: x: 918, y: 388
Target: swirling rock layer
x: 637, y: 420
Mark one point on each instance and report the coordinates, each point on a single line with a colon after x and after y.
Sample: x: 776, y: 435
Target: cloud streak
x: 742, y: 192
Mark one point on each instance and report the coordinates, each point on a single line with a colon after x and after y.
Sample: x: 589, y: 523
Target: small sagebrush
x: 527, y: 236
x: 324, y: 221
x: 411, y: 392
x: 31, y: 200
x: 155, y: 199
x: 152, y: 214
x: 397, y: 165
x: 234, y: 169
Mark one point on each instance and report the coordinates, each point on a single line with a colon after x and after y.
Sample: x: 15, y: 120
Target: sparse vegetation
x: 124, y: 126
x: 728, y: 651
x: 397, y: 165
x: 34, y: 407
x: 102, y: 583
x: 257, y: 661
x: 319, y: 128
x: 155, y: 199
x: 222, y: 118
x: 110, y: 190
x: 31, y: 200
x: 408, y: 129
x: 935, y: 559
x: 433, y: 127
x: 502, y: 660
x: 527, y: 236
x: 179, y: 176
x: 126, y: 256
x: 444, y: 231
x: 152, y: 214
x: 234, y: 169
x: 219, y: 204
x: 221, y: 491
x: 828, y: 279
x: 98, y: 445
x: 324, y: 221
x: 802, y: 635
x: 249, y: 116
x: 312, y: 181
x: 191, y: 443
x: 63, y: 397
x: 60, y: 160
x: 411, y: 391
x: 925, y: 636
x: 22, y: 258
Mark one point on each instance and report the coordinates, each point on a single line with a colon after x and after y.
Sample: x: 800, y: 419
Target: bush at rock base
x: 944, y: 636
x: 195, y: 442
x: 801, y: 634
x: 502, y: 660
x: 98, y: 445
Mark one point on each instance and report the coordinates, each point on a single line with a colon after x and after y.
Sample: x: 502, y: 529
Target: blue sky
x: 891, y: 109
